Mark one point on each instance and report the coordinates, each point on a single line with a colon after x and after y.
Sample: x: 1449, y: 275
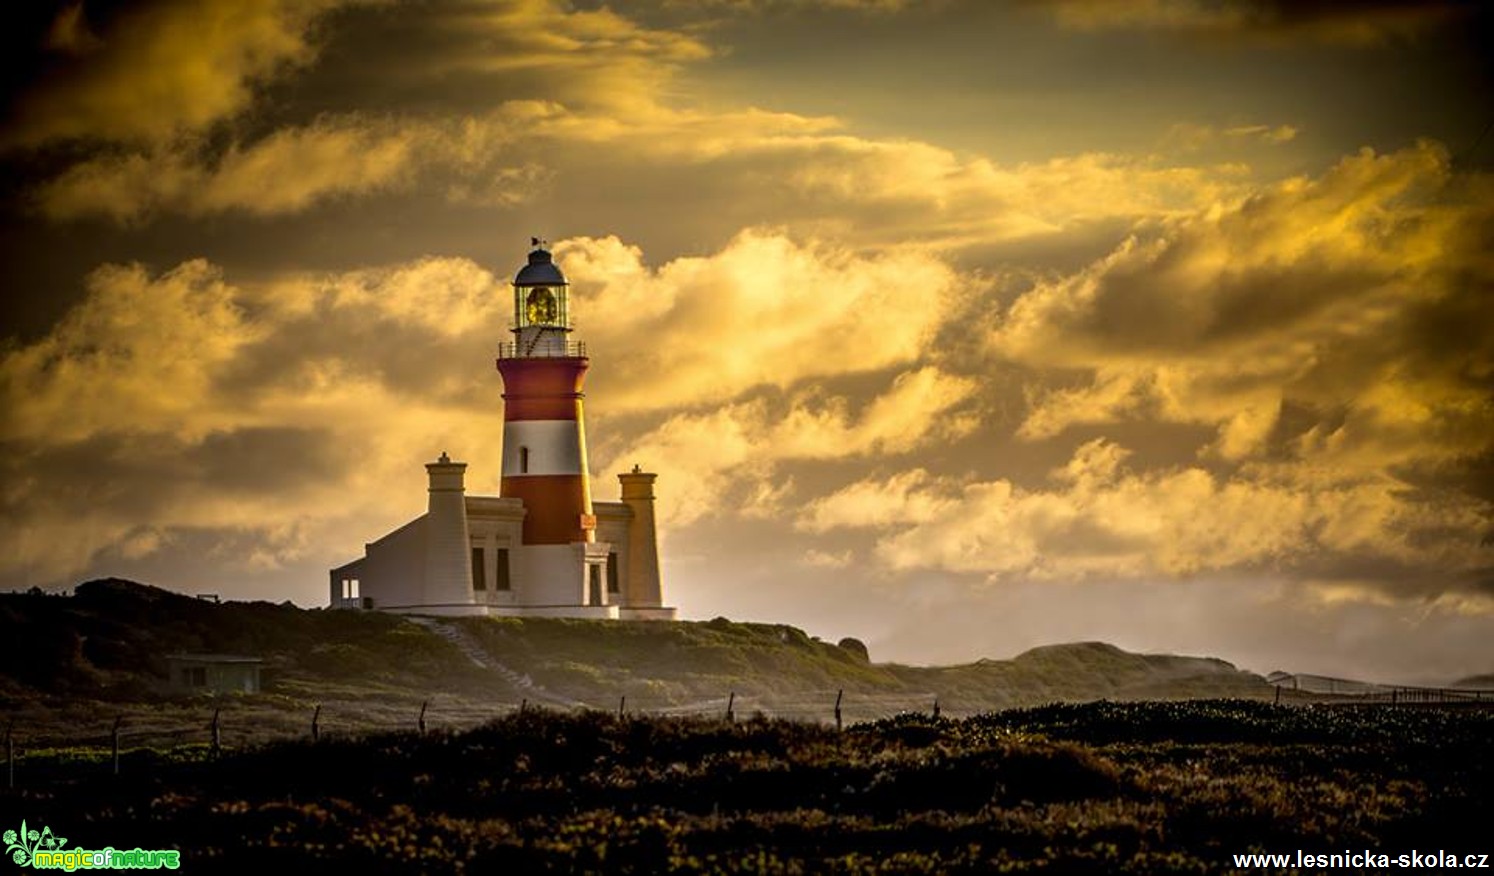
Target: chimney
x: 642, y: 588
x: 448, y: 548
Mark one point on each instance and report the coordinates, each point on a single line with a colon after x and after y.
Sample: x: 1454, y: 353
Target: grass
x: 1099, y: 787
x: 72, y: 664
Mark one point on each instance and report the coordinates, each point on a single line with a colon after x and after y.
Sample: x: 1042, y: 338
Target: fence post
x: 731, y: 700
x: 420, y: 723
x: 622, y: 706
x: 217, y: 736
x: 936, y: 708
x: 838, y: 694
x: 1277, y: 701
x: 316, y: 730
x: 115, y: 735
x: 523, y: 705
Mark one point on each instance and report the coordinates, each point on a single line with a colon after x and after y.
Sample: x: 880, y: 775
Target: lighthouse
x: 542, y: 547
x: 544, y: 438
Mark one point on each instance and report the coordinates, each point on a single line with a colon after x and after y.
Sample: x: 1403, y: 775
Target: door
x: 594, y: 582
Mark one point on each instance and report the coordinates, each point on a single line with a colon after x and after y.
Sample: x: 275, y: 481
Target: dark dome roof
x: 540, y: 271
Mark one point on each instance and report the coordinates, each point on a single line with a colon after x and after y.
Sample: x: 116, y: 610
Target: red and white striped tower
x: 544, y: 441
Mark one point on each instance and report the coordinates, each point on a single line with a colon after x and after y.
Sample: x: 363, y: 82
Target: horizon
x: 956, y: 328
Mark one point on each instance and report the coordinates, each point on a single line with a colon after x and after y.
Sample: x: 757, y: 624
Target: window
x: 612, y: 584
x: 500, y: 577
x: 350, y: 588
x: 523, y: 460
x: 479, y: 570
x: 196, y: 676
x: 595, y: 573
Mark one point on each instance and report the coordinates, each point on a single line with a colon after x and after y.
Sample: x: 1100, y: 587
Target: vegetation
x: 111, y: 638
x: 1099, y: 787
x: 1146, y: 787
x: 71, y: 664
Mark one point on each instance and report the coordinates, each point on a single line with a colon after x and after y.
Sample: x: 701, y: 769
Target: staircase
x: 474, y: 651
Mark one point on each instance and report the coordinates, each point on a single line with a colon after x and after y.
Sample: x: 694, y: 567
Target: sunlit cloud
x: 723, y: 459
x: 1192, y: 136
x: 286, y: 172
x: 1099, y: 519
x: 608, y: 96
x: 765, y: 310
x: 166, y: 379
x: 1321, y: 293
x: 162, y: 69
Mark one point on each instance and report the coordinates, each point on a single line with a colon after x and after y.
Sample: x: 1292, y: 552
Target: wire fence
x: 241, y: 722
x: 1325, y: 689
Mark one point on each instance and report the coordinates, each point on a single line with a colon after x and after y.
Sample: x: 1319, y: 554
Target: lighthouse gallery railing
x: 547, y: 349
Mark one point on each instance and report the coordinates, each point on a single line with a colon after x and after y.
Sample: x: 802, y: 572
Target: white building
x: 541, y: 547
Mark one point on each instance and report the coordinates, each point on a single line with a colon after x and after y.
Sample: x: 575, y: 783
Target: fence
x: 245, y: 722
x: 1301, y: 687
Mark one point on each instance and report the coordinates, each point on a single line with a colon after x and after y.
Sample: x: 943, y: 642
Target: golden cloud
x: 715, y: 461
x: 186, y: 402
x: 163, y: 69
x: 1100, y: 520
x: 607, y: 83
x: 1338, y: 293
x: 764, y: 311
x: 285, y: 172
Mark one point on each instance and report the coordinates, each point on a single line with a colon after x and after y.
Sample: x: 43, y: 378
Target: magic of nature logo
x: 43, y: 850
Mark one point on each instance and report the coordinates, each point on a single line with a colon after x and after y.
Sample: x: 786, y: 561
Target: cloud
x: 727, y: 460
x: 801, y: 170
x: 296, y: 168
x: 163, y: 75
x: 819, y: 559
x: 166, y: 407
x: 1321, y: 327
x: 766, y: 310
x: 946, y: 197
x: 1338, y: 298
x: 285, y: 172
x: 1360, y: 22
x: 140, y: 348
x: 909, y: 497
x: 1190, y: 137
x: 1097, y: 519
x: 595, y: 56
x: 567, y: 89
x: 184, y: 402
x: 158, y: 70
x: 875, y: 6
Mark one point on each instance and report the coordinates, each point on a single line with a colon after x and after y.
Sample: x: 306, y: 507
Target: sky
x: 957, y: 326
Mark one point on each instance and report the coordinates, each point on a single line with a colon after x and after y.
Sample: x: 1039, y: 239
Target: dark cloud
x: 1334, y: 21
x: 152, y: 71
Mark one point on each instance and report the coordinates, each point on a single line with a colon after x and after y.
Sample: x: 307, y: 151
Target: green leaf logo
x: 22, y: 845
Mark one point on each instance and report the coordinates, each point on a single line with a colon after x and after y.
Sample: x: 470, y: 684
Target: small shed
x: 215, y: 673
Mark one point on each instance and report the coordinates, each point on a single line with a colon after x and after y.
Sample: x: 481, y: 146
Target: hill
x: 107, y: 644
x: 781, y: 670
